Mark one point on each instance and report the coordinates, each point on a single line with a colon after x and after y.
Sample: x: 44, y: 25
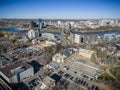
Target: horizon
x: 60, y: 9
x: 67, y: 18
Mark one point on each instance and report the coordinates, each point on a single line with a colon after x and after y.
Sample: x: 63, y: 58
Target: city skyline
x: 60, y: 9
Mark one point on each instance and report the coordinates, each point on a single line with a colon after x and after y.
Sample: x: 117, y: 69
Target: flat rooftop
x: 10, y: 71
x: 48, y: 81
x: 89, y: 70
x: 54, y: 64
x: 86, y: 51
x: 59, y: 56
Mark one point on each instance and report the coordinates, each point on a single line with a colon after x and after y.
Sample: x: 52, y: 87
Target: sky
x: 60, y: 9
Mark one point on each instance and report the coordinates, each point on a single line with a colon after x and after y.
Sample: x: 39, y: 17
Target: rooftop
x: 86, y: 69
x: 58, y: 55
x: 14, y: 68
x: 56, y: 77
x: 86, y: 51
x: 54, y: 64
x: 48, y: 81
x: 3, y: 61
x: 66, y: 52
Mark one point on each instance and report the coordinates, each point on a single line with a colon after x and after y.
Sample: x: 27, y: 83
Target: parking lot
x: 78, y: 72
x: 80, y: 80
x: 34, y: 82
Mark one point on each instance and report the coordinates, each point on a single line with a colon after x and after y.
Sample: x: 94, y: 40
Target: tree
x: 105, y: 76
x: 101, y: 53
x: 104, y: 54
x: 53, y: 49
x: 94, y: 47
x: 93, y: 58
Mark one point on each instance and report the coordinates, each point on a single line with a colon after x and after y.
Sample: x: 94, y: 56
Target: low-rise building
x: 47, y: 84
x: 62, y: 55
x: 3, y: 62
x: 50, y: 42
x: 17, y: 72
x: 86, y: 53
x: 48, y: 35
x: 59, y: 58
x: 84, y: 69
x: 33, y: 34
x: 53, y: 65
x: 117, y: 54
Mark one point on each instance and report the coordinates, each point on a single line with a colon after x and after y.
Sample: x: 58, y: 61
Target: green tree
x: 94, y: 47
x: 93, y: 58
x: 106, y: 76
x: 101, y: 53
x: 104, y: 54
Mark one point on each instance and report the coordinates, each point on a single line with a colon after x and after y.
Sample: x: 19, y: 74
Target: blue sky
x: 60, y: 9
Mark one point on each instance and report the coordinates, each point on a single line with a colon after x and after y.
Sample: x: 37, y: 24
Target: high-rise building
x: 40, y: 24
x: 33, y: 24
x: 76, y: 37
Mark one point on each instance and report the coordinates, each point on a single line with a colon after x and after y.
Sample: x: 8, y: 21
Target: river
x: 86, y: 33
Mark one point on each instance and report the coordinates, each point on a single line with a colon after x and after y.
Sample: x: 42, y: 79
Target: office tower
x: 33, y: 24
x: 40, y: 24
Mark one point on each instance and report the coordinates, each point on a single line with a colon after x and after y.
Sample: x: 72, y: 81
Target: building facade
x: 75, y: 37
x: 33, y: 34
x: 62, y: 55
x: 48, y: 36
x: 17, y: 72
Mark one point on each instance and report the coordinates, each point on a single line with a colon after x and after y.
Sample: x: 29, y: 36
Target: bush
x: 93, y: 58
x: 116, y: 72
x: 105, y: 76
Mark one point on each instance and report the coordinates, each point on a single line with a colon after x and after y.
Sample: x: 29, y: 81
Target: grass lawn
x: 116, y: 72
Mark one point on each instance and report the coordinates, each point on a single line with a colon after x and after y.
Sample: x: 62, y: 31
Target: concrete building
x: 109, y: 37
x: 85, y: 53
x: 59, y: 58
x: 33, y: 34
x: 40, y: 24
x: 107, y: 23
x: 17, y: 72
x: 50, y: 42
x: 117, y: 37
x: 33, y: 24
x: 53, y: 65
x: 117, y: 54
x: 48, y: 35
x: 75, y: 37
x: 3, y: 62
x: 62, y: 55
x: 84, y: 70
x: 47, y: 84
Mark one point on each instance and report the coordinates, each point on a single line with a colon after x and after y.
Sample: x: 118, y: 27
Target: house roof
x: 54, y: 64
x: 58, y: 55
x: 65, y: 52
